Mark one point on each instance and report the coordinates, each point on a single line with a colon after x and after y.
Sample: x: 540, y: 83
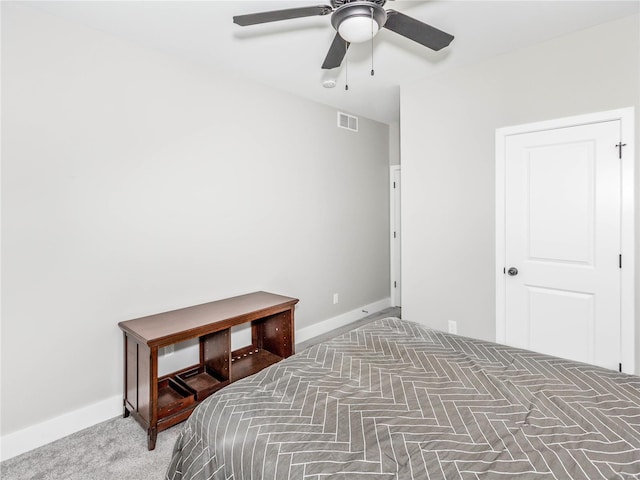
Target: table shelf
x: 249, y: 360
x: 173, y: 397
x: 202, y: 380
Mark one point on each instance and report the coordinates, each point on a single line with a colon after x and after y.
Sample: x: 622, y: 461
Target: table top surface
x: 153, y: 329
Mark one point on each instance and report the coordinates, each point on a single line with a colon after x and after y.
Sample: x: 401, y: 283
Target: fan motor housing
x: 338, y: 3
x: 360, y: 8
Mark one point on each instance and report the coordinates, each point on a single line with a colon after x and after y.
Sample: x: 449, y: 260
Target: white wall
x: 448, y: 156
x: 394, y: 143
x: 134, y: 183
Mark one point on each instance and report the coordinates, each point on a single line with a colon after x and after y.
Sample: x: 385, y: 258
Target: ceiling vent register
x: 347, y: 121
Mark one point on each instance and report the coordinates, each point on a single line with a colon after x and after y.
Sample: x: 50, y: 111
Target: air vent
x: 347, y: 121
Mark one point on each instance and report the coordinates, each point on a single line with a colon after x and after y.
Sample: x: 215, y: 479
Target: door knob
x: 513, y: 271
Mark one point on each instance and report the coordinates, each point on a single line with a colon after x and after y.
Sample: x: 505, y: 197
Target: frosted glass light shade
x: 356, y: 29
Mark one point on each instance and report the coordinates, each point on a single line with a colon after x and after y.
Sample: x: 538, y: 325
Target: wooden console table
x: 159, y: 403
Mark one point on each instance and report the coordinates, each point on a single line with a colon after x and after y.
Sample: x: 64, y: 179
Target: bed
x: 397, y: 400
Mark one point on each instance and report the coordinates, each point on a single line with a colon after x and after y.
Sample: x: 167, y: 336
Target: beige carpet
x: 115, y: 449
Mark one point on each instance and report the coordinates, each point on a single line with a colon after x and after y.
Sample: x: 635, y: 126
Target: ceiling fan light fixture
x: 358, y: 22
x: 357, y: 29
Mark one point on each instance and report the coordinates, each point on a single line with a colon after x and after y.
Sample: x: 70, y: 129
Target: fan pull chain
x: 346, y: 66
x: 372, y: 71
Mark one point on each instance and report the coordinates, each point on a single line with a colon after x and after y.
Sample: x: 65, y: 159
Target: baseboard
x: 14, y: 444
x: 341, y: 320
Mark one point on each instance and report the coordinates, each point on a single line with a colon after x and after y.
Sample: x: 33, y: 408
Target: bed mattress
x: 396, y: 400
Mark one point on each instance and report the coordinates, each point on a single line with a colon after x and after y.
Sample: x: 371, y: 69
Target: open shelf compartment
x: 249, y: 360
x: 173, y: 397
x: 202, y: 380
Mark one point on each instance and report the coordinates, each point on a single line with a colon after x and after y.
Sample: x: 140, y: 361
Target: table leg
x: 152, y: 434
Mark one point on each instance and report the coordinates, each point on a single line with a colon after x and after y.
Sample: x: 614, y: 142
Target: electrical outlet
x: 336, y: 298
x: 453, y: 326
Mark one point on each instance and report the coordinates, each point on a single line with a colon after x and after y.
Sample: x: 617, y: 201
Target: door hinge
x: 619, y: 147
x: 620, y: 261
x: 394, y: 234
x: 620, y: 367
x: 395, y: 285
x: 504, y: 270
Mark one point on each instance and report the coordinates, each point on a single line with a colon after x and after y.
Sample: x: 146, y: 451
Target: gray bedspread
x: 396, y: 400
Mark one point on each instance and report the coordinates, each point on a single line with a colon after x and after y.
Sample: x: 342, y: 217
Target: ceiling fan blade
x: 336, y: 53
x: 275, y: 15
x: 417, y: 31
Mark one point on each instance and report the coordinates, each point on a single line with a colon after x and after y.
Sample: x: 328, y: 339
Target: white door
x: 562, y: 198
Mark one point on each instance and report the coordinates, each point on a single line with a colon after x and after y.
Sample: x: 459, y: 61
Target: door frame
x: 627, y: 231
x: 394, y: 254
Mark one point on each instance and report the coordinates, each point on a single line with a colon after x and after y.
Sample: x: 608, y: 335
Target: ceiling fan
x: 355, y: 21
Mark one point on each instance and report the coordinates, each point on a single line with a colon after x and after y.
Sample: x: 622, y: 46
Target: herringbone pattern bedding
x: 395, y: 400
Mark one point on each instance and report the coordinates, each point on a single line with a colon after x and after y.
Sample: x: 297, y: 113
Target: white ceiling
x: 288, y: 54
